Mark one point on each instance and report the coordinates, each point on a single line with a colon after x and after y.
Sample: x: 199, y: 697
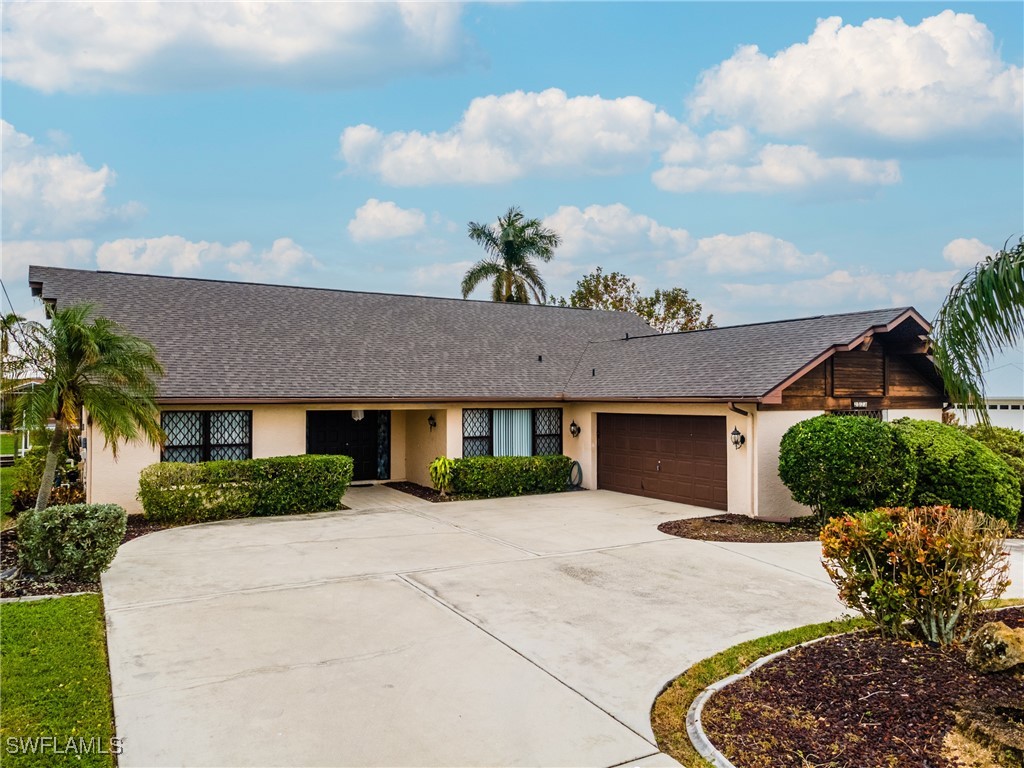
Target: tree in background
x: 91, y: 363
x: 512, y: 246
x: 666, y: 311
x: 982, y: 315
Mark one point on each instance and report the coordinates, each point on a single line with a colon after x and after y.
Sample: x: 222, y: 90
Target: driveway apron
x: 533, y: 631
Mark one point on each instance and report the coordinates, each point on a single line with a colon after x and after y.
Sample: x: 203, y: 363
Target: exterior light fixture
x: 357, y: 415
x: 574, y: 429
x: 737, y: 439
x: 432, y: 422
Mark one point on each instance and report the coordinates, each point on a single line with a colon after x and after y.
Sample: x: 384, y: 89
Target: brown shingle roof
x: 732, y: 363
x: 242, y: 341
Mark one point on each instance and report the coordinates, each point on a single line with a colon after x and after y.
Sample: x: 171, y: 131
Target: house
x: 394, y: 381
x: 1007, y: 412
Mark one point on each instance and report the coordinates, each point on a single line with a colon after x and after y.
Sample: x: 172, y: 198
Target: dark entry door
x: 676, y: 458
x: 337, y: 432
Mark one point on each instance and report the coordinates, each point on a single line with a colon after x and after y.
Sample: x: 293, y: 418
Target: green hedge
x: 74, y: 541
x: 494, y: 476
x: 217, y: 490
x: 840, y: 464
x: 1008, y: 444
x: 956, y: 470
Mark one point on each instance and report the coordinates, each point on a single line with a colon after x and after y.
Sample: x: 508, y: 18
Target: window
x: 511, y: 431
x: 194, y: 436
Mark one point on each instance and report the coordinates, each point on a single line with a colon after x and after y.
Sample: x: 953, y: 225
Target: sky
x: 775, y: 159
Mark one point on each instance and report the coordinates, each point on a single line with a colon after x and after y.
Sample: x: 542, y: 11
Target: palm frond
x: 482, y: 270
x: 982, y: 315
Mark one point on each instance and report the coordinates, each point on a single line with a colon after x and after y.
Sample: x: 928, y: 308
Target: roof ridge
x: 315, y: 288
x: 894, y: 310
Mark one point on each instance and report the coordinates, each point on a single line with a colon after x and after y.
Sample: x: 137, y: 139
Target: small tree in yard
x: 839, y: 464
x: 91, y: 363
x: 666, y: 311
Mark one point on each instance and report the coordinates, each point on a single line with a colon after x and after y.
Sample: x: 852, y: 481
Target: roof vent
x: 593, y: 371
x: 540, y: 358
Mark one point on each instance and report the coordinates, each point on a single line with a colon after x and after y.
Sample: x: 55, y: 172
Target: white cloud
x: 963, y: 252
x: 603, y: 229
x: 441, y: 279
x: 617, y: 231
x: 182, y: 257
x: 18, y: 254
x: 501, y: 138
x: 777, y: 168
x: 384, y: 220
x: 47, y: 194
x: 279, y: 262
x: 844, y: 290
x: 884, y: 78
x: 138, y: 46
x: 751, y: 253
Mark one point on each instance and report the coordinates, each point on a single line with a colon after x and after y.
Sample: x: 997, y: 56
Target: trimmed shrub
x: 956, y: 470
x: 1007, y: 444
x: 73, y: 541
x: 923, y: 570
x: 27, y: 473
x: 494, y: 476
x: 217, y: 490
x: 840, y: 464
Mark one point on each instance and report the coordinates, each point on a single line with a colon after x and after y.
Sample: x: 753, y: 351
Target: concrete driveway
x: 530, y: 631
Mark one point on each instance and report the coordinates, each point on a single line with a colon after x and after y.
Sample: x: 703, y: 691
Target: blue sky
x: 776, y: 159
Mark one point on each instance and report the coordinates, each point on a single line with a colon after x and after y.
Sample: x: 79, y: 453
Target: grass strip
x: 55, y: 683
x: 668, y: 715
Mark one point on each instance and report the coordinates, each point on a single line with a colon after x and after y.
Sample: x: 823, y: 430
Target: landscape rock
x: 996, y: 647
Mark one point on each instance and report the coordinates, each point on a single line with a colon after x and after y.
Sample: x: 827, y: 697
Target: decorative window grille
x: 476, y: 432
x: 547, y: 431
x: 871, y: 414
x: 194, y: 436
x: 511, y: 431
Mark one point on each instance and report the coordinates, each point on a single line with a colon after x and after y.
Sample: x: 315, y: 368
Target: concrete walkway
x: 530, y: 631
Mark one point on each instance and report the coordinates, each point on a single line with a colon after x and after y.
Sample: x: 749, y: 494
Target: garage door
x: 676, y: 458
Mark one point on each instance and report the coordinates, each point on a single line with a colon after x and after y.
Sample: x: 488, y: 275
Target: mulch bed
x: 25, y: 586
x: 420, y: 491
x: 855, y: 701
x: 740, y: 528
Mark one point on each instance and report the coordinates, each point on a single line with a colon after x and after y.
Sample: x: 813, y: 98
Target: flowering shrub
x: 922, y: 570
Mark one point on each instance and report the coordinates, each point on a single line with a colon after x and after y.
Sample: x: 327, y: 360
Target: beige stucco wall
x: 774, y: 498
x: 424, y: 444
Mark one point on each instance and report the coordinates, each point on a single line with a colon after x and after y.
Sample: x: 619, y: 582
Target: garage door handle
x: 659, y: 467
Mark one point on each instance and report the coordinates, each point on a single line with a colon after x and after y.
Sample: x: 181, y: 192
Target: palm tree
x: 93, y: 364
x: 982, y: 315
x: 511, y: 247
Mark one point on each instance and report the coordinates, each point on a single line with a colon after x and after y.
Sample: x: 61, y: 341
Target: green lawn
x: 53, y: 658
x: 8, y: 443
x: 6, y: 475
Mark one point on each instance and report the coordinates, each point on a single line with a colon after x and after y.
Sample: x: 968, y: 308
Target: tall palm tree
x: 92, y: 363
x: 982, y: 315
x: 511, y: 246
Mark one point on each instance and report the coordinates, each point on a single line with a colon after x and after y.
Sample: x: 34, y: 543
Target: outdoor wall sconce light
x: 737, y: 439
x: 432, y: 422
x: 357, y: 415
x: 574, y: 429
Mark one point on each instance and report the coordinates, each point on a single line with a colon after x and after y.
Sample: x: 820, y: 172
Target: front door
x: 365, y: 439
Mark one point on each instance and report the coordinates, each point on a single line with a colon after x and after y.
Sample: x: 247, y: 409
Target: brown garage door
x: 676, y: 458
